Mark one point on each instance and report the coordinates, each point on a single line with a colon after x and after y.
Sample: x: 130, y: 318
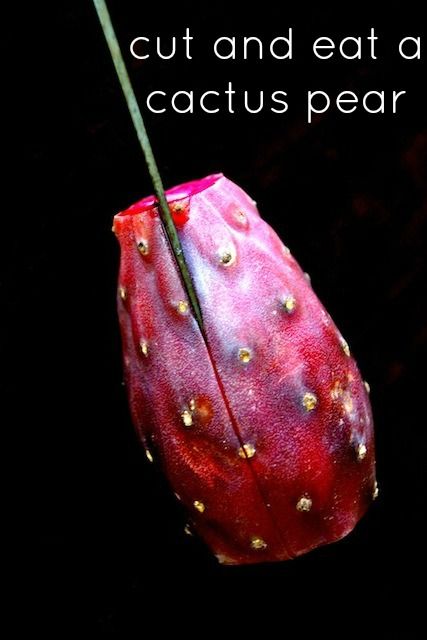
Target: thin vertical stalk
x: 141, y: 132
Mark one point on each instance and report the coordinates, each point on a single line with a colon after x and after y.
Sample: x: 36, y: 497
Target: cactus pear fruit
x: 261, y: 422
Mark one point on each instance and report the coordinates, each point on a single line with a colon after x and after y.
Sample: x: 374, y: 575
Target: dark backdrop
x: 101, y: 535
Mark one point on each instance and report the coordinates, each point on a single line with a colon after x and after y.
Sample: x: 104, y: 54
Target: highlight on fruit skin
x: 262, y: 425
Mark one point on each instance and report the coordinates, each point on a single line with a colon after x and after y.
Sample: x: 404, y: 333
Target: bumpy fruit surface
x: 263, y: 424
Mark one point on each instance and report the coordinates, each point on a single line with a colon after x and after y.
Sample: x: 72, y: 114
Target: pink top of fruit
x: 172, y: 195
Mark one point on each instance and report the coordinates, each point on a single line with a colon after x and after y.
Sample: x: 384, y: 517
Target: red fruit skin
x: 271, y: 377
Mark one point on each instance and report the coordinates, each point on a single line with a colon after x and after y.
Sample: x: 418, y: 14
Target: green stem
x: 135, y: 113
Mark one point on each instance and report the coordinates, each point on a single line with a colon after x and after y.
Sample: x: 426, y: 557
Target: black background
x: 101, y: 537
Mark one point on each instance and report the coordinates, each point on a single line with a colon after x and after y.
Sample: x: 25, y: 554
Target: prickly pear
x: 261, y: 422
